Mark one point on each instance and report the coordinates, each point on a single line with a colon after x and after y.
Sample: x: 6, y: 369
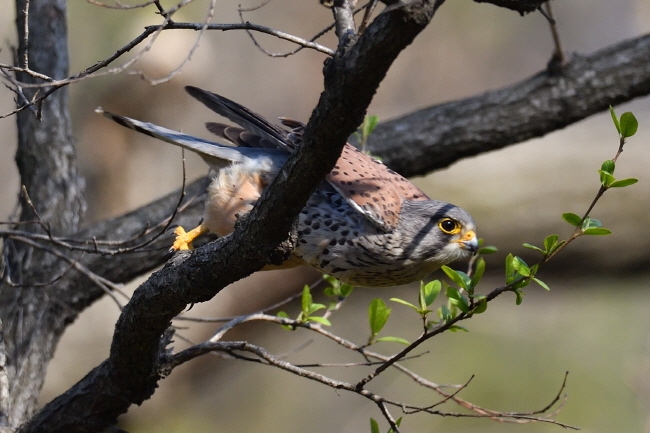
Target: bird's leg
x: 184, y: 239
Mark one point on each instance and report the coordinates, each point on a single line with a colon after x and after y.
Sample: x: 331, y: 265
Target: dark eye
x: 449, y: 226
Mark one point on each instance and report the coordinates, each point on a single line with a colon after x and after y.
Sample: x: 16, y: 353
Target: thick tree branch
x: 436, y: 137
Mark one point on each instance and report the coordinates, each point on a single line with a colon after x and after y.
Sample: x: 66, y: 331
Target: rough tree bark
x: 35, y: 317
x: 46, y: 161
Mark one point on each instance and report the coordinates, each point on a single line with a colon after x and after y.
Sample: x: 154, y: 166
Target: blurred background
x: 594, y: 322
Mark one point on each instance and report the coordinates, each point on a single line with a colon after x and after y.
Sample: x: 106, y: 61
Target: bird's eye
x: 449, y: 226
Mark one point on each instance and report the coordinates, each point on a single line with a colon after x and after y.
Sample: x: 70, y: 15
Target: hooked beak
x: 469, y: 242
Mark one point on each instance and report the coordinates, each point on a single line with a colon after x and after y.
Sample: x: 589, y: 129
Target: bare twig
x: 344, y: 19
x: 107, y: 286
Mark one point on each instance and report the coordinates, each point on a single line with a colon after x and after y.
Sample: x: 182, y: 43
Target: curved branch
x: 436, y: 137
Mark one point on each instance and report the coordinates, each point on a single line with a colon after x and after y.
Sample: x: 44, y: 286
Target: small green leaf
x: 431, y: 290
x: 378, y: 314
x: 444, y: 313
x: 541, y: 283
x: 369, y: 125
x: 608, y: 166
x: 520, y: 297
x: 346, y: 289
x: 456, y: 277
x: 457, y: 299
x: 533, y: 247
x: 394, y: 340
x: 488, y: 250
x: 591, y: 223
x: 481, y: 306
x: 314, y: 307
x: 306, y: 300
x: 597, y: 231
x: 572, y: 219
x: 550, y: 242
x: 629, y: 125
x: 623, y: 182
x: 456, y: 328
x: 330, y: 279
x: 284, y: 315
x: 478, y: 272
x: 615, y: 119
x: 403, y: 302
x: 374, y: 426
x: 510, y: 270
x: 606, y: 179
x: 521, y: 266
x: 317, y: 319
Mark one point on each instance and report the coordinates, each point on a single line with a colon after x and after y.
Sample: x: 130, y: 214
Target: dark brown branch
x: 436, y: 137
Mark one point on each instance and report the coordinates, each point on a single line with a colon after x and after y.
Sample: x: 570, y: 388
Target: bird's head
x: 442, y: 232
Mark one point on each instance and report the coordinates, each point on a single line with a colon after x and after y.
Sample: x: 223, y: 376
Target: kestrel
x: 365, y: 224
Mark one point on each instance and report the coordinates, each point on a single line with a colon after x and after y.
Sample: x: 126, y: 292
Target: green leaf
x: 458, y: 277
x: 394, y: 340
x: 606, y: 179
x: 378, y: 314
x: 346, y: 289
x: 481, y: 306
x: 306, y: 300
x: 615, y: 119
x: 597, y: 231
x: 374, y: 426
x: 478, y: 272
x: 572, y: 219
x: 533, y: 247
x: 284, y: 315
x: 314, y: 307
x: 444, y: 313
x: 521, y: 266
x: 624, y: 182
x: 629, y: 125
x: 608, y: 166
x: 520, y: 297
x: 430, y: 290
x: 369, y: 125
x: 403, y: 302
x: 510, y: 270
x: 321, y: 320
x: 488, y: 250
x: 457, y: 299
x: 550, y: 242
x: 455, y: 276
x: 456, y: 328
x: 591, y: 223
x: 541, y: 283
x: 330, y: 279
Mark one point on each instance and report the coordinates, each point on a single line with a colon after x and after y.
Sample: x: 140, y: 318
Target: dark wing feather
x: 375, y: 190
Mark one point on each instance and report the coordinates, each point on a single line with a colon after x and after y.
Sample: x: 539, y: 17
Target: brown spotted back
x: 375, y: 188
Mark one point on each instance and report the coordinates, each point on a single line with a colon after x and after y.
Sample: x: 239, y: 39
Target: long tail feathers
x: 213, y: 153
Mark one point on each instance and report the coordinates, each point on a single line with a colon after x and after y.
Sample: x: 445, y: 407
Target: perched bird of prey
x: 365, y: 224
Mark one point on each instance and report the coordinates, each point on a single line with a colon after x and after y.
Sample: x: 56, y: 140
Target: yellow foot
x: 184, y: 239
